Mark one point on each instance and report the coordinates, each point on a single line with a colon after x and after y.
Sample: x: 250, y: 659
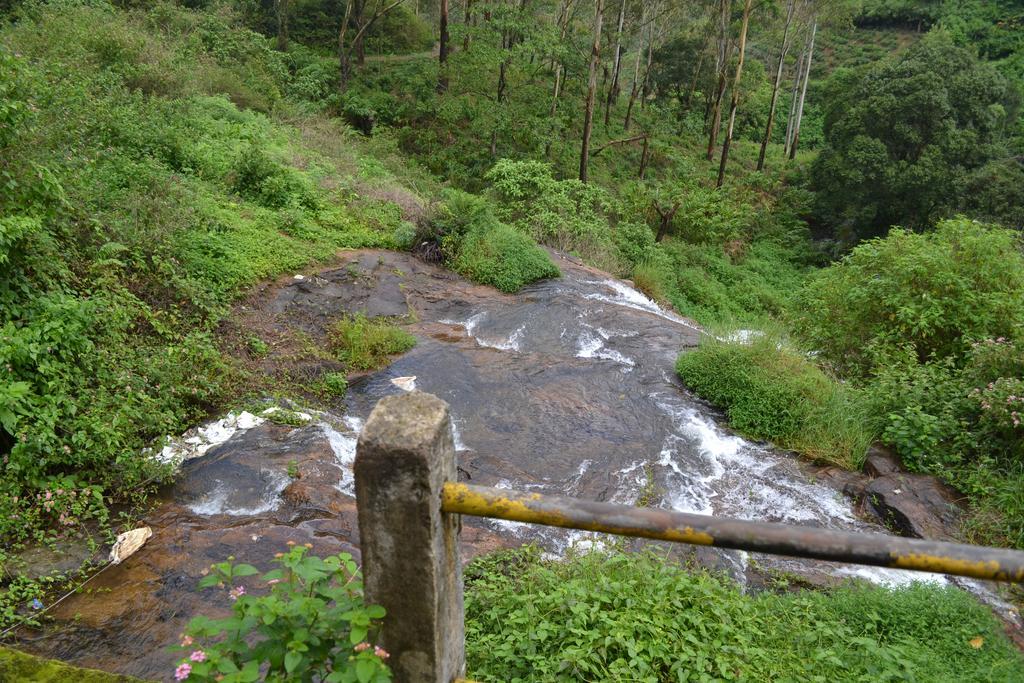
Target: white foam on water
x: 626, y: 296
x: 457, y: 437
x: 742, y: 336
x: 512, y: 343
x: 591, y: 345
x: 891, y: 578
x: 198, y: 440
x: 216, y: 501
x: 344, y: 448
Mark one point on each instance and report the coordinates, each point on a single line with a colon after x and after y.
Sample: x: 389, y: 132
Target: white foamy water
x: 591, y: 345
x: 219, y: 500
x: 344, y: 448
x: 511, y: 343
x: 624, y: 295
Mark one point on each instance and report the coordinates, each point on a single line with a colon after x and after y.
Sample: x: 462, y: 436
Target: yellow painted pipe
x: 880, y: 550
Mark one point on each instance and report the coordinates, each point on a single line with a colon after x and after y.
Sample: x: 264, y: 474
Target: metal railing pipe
x: 779, y: 539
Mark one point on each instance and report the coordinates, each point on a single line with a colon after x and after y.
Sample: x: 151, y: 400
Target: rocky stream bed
x: 566, y: 387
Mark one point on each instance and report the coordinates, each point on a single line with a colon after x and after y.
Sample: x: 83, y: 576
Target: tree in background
x: 903, y: 142
x: 588, y: 113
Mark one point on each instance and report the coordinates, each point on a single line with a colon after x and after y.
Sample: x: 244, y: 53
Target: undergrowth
x: 637, y: 617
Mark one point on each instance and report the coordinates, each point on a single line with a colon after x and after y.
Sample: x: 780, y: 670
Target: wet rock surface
x: 566, y: 387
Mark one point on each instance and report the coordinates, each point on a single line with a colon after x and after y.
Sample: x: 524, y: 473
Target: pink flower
x: 186, y: 641
x: 182, y: 672
x: 273, y: 582
x: 198, y: 656
x: 362, y: 646
x: 236, y: 593
x: 381, y: 652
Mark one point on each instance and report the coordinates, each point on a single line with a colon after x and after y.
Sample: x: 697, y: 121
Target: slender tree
x: 613, y: 89
x: 636, y: 69
x: 783, y: 50
x: 588, y: 115
x: 355, y: 14
x: 803, y: 93
x: 725, y: 10
x: 735, y: 93
x: 282, y: 8
x: 442, y: 55
x: 792, y: 100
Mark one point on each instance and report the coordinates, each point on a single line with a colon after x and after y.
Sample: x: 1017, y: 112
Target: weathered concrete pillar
x: 410, y: 548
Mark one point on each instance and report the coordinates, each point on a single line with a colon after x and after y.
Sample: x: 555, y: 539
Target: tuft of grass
x: 638, y: 617
x: 362, y: 343
x: 770, y: 391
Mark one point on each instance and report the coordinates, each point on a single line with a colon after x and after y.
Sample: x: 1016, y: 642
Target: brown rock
x: 881, y: 461
x: 915, y: 505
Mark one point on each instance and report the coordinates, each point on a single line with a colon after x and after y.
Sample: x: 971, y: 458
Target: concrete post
x: 410, y: 548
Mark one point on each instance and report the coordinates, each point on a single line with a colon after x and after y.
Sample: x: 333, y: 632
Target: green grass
x: 773, y: 392
x: 362, y: 343
x: 636, y: 617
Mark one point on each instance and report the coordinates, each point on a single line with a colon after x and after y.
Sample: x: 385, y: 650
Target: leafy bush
x: 312, y: 625
x: 772, y: 392
x: 936, y: 292
x: 565, y: 214
x: 503, y: 258
x: 364, y: 344
x: 471, y: 240
x: 634, y: 616
x: 335, y: 384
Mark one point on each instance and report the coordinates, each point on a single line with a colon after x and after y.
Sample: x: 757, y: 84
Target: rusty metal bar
x: 778, y: 539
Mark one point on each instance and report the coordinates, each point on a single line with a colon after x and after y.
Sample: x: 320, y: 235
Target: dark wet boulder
x: 915, y: 505
x: 881, y: 461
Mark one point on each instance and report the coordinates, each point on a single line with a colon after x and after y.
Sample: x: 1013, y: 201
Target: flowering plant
x: 311, y: 626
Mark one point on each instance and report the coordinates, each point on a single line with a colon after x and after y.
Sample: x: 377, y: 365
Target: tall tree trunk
x: 645, y: 158
x: 588, y: 115
x: 803, y: 94
x: 776, y: 85
x: 798, y: 74
x: 282, y: 8
x: 613, y: 89
x: 469, y: 19
x: 344, y: 63
x: 735, y: 93
x: 636, y: 70
x: 645, y: 84
x: 442, y: 55
x: 723, y: 50
x: 554, y: 109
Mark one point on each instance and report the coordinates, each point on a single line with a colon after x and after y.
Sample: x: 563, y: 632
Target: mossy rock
x: 18, y: 666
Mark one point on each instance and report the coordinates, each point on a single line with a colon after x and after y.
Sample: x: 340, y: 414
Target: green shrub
x: 365, y: 344
x: 335, y: 384
x: 312, y: 625
x: 937, y: 292
x: 503, y: 258
x: 634, y: 616
x: 772, y: 392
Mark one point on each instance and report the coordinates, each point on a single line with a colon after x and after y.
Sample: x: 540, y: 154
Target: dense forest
x: 833, y: 188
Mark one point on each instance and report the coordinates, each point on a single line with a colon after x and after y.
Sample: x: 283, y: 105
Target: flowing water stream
x: 566, y: 387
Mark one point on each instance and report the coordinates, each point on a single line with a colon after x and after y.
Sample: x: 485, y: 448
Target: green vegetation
x: 312, y: 625
x: 635, y: 616
x: 873, y: 174
x: 157, y: 159
x: 924, y: 330
x: 362, y: 343
x: 770, y: 391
